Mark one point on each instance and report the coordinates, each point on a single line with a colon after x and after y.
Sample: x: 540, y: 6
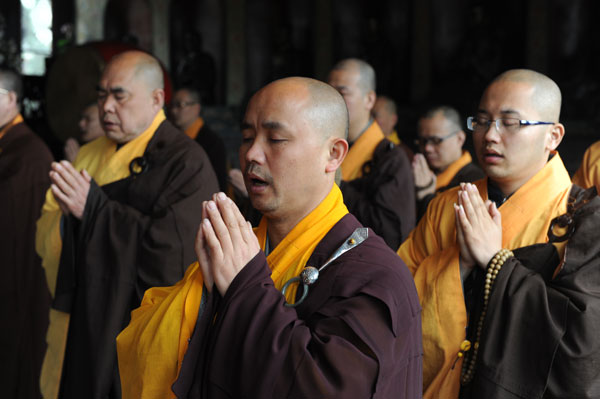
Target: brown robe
x: 24, y: 165
x: 357, y: 334
x: 384, y: 197
x: 135, y: 233
x: 540, y: 335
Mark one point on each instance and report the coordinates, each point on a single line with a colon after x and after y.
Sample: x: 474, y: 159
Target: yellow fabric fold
x: 432, y: 255
x: 15, y: 121
x: 193, y: 130
x: 361, y: 152
x: 106, y: 165
x: 151, y: 348
x: 588, y: 174
x: 394, y: 138
x: 444, y: 178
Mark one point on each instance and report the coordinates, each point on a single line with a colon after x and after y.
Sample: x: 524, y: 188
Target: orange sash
x: 193, y: 130
x: 444, y: 178
x: 16, y: 120
x: 588, y: 174
x: 361, y: 152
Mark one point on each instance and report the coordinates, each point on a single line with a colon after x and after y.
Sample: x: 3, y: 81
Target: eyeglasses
x: 479, y: 124
x: 4, y: 91
x: 421, y: 142
x: 182, y: 104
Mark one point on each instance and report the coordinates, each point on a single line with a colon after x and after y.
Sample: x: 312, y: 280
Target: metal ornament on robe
x: 138, y: 166
x: 310, y: 274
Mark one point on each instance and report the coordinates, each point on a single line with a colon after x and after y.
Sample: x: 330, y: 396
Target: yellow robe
x: 150, y: 350
x: 361, y: 152
x: 105, y: 165
x: 588, y: 174
x: 432, y: 255
x: 444, y: 178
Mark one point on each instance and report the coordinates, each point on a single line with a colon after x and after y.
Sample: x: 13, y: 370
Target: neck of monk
x: 357, y: 128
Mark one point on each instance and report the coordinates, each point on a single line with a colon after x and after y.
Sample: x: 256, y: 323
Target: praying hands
x: 70, y: 188
x: 225, y: 242
x: 478, y: 229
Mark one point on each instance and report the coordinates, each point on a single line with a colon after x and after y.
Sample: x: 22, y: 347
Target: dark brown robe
x: 215, y: 149
x: 357, y: 334
x: 135, y: 233
x: 25, y: 300
x: 384, y: 197
x: 540, y: 337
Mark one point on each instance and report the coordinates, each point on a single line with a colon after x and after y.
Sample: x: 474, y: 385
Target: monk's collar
x: 371, y: 120
x: 495, y: 194
x: 267, y: 245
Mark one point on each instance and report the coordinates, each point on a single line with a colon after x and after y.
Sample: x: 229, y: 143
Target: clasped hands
x: 424, y: 177
x: 478, y: 229
x: 70, y: 188
x: 225, y: 242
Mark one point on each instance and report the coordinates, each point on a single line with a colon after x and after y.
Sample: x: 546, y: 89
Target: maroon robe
x: 24, y: 297
x: 357, y: 334
x: 135, y: 233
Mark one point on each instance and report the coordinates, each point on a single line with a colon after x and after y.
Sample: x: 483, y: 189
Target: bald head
x: 323, y: 106
x: 366, y: 73
x: 546, y: 96
x: 142, y: 66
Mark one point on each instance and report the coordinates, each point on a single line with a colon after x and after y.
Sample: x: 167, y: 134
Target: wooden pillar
x: 160, y: 30
x: 235, y: 17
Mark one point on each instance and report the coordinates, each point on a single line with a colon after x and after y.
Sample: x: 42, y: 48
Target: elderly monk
x: 442, y: 163
x: 24, y: 165
x: 185, y: 110
x: 355, y: 333
x: 514, y: 258
x: 588, y: 174
x: 125, y: 215
x: 377, y: 179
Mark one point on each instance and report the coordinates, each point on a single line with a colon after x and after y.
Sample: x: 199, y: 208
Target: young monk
x: 353, y: 333
x: 507, y: 268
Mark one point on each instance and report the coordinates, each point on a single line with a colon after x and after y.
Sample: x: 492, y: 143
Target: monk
x: 185, y: 111
x: 385, y: 114
x: 441, y: 162
x: 24, y: 165
x: 513, y: 258
x: 90, y: 129
x: 353, y: 333
x: 377, y: 180
x: 588, y: 174
x: 119, y: 220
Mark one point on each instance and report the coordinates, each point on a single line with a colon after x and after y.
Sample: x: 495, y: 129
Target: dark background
x: 424, y: 52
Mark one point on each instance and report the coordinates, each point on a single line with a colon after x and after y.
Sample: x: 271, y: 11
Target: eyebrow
x: 502, y: 112
x: 245, y: 125
x: 113, y: 90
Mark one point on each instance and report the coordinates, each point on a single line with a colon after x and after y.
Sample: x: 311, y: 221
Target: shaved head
x: 143, y: 66
x: 324, y: 107
x: 388, y: 104
x: 366, y: 73
x: 546, y: 97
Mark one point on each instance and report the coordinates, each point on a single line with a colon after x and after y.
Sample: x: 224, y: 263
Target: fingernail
x: 211, y: 205
x: 222, y: 196
x: 206, y: 222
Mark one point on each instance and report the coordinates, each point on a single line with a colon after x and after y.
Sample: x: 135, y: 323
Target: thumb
x: 495, y: 213
x: 86, y: 175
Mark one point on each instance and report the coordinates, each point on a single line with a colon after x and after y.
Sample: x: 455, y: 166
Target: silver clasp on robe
x: 310, y: 274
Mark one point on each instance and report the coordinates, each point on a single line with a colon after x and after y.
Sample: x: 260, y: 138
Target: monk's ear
x: 158, y: 98
x: 370, y: 99
x: 461, y: 137
x: 338, y: 148
x: 555, y: 136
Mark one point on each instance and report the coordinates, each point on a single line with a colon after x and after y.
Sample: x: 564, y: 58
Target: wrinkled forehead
x: 508, y: 97
x: 118, y: 74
